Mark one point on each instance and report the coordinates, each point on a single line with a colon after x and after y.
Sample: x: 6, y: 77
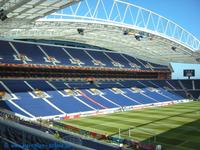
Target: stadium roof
x: 16, y: 13
x: 32, y: 9
x: 112, y: 24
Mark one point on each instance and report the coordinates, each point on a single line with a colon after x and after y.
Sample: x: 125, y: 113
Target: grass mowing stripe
x: 175, y: 126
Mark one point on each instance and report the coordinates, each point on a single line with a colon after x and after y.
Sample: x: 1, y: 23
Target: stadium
x: 95, y: 74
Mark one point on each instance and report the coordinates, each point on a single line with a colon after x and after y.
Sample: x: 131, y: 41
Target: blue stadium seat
x: 156, y: 96
x: 118, y: 58
x: 118, y: 98
x: 133, y: 60
x: 67, y: 104
x: 35, y: 106
x: 58, y: 53
x: 81, y: 55
x: 9, y: 106
x: 31, y: 51
x: 91, y: 102
x: 59, y: 102
x: 139, y: 97
x: 100, y: 56
x: 170, y: 94
x: 6, y: 53
x: 100, y: 100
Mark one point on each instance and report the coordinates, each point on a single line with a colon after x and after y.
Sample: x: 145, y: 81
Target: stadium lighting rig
x: 126, y: 32
x: 198, y: 59
x: 80, y: 31
x: 173, y: 48
x: 138, y: 36
x: 3, y: 15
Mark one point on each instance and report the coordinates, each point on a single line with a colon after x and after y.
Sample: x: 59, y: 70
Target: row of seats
x: 20, y: 137
x: 175, y: 84
x: 26, y: 53
x: 40, y: 98
x: 185, y: 88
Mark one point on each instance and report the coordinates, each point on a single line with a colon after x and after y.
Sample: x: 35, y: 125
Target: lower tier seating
x: 40, y: 98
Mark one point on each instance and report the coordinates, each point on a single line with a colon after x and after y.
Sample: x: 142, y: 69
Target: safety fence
x: 126, y: 142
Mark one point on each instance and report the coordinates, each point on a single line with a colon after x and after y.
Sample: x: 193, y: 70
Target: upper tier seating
x: 40, y: 98
x: 59, y: 54
x: 31, y: 51
x: 7, y: 53
x: 99, y: 56
x: 16, y: 52
x: 115, y: 57
x: 135, y: 61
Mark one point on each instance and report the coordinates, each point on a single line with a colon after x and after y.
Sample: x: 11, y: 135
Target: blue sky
x: 186, y: 13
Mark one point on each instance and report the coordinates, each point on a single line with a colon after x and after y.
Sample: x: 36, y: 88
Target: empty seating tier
x: 50, y: 98
x: 18, y: 52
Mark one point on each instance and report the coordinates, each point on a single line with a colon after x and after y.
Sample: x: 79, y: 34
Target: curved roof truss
x: 124, y: 13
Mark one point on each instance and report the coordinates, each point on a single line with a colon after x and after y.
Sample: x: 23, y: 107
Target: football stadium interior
x: 95, y: 74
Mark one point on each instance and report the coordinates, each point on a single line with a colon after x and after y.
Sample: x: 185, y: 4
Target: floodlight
x: 173, y: 48
x: 80, y: 31
x: 3, y: 15
x: 126, y: 32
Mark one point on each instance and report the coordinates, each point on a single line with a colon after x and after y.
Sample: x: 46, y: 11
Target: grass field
x: 175, y: 127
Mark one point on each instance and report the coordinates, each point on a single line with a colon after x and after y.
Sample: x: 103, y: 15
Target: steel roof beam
x: 16, y: 6
x: 71, y: 2
x: 25, y: 10
x: 2, y: 3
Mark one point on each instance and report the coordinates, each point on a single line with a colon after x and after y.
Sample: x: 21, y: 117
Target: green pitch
x: 176, y: 127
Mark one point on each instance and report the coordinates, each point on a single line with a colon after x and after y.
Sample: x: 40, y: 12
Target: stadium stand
x: 33, y: 87
x: 13, y: 136
x: 187, y: 84
x: 40, y: 133
x: 40, y: 98
x: 44, y: 81
x: 37, y: 53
